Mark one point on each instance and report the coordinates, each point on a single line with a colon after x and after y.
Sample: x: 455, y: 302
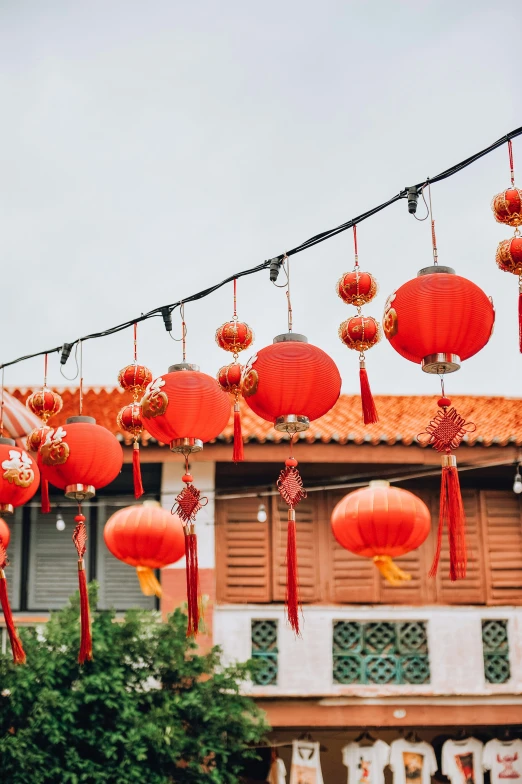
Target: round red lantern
x: 509, y: 255
x: 438, y: 319
x: 19, y: 478
x: 80, y: 458
x: 185, y: 408
x: 229, y: 377
x: 134, y: 378
x: 234, y: 336
x: 45, y: 403
x: 357, y: 288
x: 507, y: 207
x: 5, y: 534
x: 147, y: 537
x: 36, y: 437
x: 129, y: 419
x: 291, y: 383
x: 360, y: 332
x: 381, y: 522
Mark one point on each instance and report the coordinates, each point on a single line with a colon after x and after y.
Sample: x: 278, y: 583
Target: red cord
x: 355, y: 246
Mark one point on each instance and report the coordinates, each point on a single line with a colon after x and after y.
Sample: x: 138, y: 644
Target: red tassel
x: 520, y: 314
x: 192, y: 574
x: 238, y: 454
x: 292, y: 592
x: 16, y: 645
x: 451, y: 513
x: 136, y: 471
x: 370, y: 415
x: 85, y: 616
x: 45, y: 503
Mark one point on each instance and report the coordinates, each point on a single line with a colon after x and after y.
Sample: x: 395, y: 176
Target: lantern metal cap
x: 379, y: 483
x: 292, y: 423
x: 186, y: 446
x: 8, y: 441
x: 85, y: 420
x: 183, y: 366
x: 80, y: 492
x: 290, y: 337
x: 434, y: 269
x: 6, y: 509
x: 439, y: 364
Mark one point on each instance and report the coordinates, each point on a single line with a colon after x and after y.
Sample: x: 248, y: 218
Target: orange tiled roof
x: 498, y: 419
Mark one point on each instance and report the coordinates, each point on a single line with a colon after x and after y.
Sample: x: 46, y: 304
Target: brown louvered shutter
x: 243, y: 547
x: 502, y: 532
x: 308, y: 544
x: 471, y: 590
x: 353, y: 580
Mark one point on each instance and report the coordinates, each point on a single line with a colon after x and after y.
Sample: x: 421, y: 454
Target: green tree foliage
x: 148, y: 708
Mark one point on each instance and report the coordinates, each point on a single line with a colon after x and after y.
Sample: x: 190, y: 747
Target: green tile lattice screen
x: 495, y: 646
x: 264, y: 652
x: 381, y: 652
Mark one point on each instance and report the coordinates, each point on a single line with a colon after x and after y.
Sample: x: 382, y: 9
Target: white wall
x: 305, y: 663
x: 204, y: 480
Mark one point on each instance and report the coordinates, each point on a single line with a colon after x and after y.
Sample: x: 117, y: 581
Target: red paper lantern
x: 19, y: 477
x: 381, y: 522
x: 234, y: 336
x: 357, y: 288
x: 438, y: 319
x: 36, y: 437
x: 360, y: 332
x: 147, y: 537
x: 229, y: 378
x: 507, y: 207
x: 45, y: 403
x: 509, y: 255
x: 291, y: 383
x: 134, y: 378
x: 80, y: 458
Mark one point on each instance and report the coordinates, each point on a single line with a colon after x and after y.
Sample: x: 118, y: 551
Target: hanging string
x: 433, y: 237
x: 183, y: 331
x: 135, y: 343
x: 356, y: 265
x: 290, y: 315
x: 512, y: 168
x: 2, y: 407
x: 81, y: 376
x: 235, y: 298
x: 45, y: 370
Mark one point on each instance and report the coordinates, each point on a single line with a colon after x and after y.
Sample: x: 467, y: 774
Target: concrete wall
x: 305, y: 663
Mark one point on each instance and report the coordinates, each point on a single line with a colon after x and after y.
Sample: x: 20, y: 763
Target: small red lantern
x: 360, y: 332
x: 80, y: 458
x: 509, y: 259
x: 291, y: 383
x: 186, y: 408
x: 147, y: 537
x: 134, y: 378
x: 507, y: 206
x: 234, y: 336
x: 381, y: 522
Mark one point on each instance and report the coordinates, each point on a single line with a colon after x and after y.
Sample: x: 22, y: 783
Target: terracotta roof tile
x: 498, y: 420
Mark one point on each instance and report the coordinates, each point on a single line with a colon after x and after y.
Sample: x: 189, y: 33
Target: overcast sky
x: 151, y: 149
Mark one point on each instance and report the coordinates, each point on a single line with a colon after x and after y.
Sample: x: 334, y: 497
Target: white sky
x: 151, y: 149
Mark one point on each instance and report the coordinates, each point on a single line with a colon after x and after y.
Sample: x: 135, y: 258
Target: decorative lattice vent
x: 495, y: 646
x: 264, y: 652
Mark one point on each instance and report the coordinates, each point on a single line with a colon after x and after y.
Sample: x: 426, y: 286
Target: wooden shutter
x: 308, y: 543
x: 502, y: 530
x: 13, y: 572
x: 471, y: 590
x: 53, y: 561
x: 243, y: 550
x: 353, y: 579
x: 118, y: 584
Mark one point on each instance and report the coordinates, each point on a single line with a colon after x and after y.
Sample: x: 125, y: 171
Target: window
x: 382, y: 652
x: 264, y: 652
x: 495, y: 646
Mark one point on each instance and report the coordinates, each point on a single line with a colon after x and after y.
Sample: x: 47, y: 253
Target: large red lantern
x: 186, y: 408
x: 437, y: 320
x: 147, y: 537
x: 382, y: 523
x: 291, y: 383
x: 80, y: 458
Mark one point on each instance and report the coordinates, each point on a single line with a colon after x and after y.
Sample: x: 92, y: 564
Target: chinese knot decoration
x: 360, y: 332
x: 507, y: 209
x: 382, y: 523
x: 44, y: 403
x: 234, y: 336
x: 291, y: 383
x: 134, y: 378
x: 80, y: 458
x: 437, y: 320
x: 16, y: 645
x: 186, y: 408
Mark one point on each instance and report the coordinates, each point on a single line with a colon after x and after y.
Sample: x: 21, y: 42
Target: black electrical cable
x: 309, y: 243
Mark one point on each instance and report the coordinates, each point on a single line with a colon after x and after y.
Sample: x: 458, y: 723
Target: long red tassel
x: 85, y: 617
x: 238, y: 454
x: 45, y: 503
x: 136, y: 471
x: 292, y: 592
x: 192, y: 574
x: 520, y: 314
x: 369, y: 410
x: 451, y: 514
x: 16, y: 645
